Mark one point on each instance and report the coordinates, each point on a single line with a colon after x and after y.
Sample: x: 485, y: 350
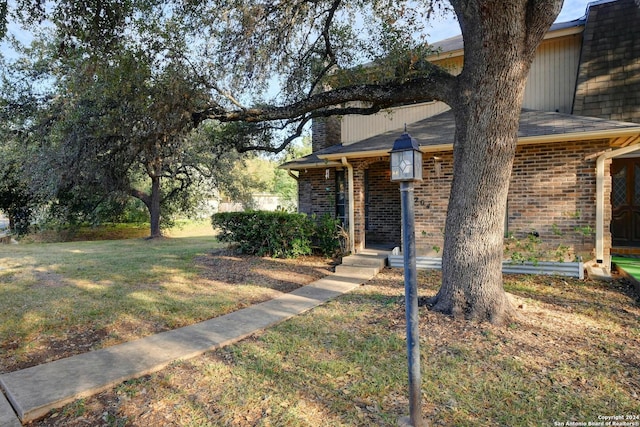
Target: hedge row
x: 278, y: 234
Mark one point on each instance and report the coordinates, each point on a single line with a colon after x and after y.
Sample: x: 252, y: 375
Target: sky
x: 445, y: 28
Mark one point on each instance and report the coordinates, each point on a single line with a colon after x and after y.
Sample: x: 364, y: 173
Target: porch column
x: 350, y: 204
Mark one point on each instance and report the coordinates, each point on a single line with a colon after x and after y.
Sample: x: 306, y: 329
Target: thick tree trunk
x: 154, y: 208
x: 499, y: 49
x: 473, y: 246
x: 152, y: 202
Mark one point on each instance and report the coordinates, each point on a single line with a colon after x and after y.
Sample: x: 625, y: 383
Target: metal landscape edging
x: 567, y: 269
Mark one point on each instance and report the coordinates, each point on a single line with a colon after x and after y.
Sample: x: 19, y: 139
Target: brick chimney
x: 325, y: 132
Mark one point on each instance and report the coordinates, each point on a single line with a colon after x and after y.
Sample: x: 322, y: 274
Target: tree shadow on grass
x: 57, y: 315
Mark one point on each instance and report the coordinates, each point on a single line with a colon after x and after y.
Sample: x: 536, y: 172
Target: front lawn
x: 59, y: 299
x: 572, y: 357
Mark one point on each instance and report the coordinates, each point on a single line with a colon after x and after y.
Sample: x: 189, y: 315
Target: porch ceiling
x: 625, y: 141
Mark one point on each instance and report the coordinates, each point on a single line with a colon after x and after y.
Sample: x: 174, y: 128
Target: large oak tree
x: 500, y: 40
x: 318, y: 49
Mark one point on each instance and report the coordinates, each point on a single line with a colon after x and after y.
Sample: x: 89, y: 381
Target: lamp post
x: 406, y: 168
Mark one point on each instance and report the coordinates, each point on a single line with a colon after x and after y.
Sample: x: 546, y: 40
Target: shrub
x: 276, y: 234
x: 329, y: 236
x: 280, y: 234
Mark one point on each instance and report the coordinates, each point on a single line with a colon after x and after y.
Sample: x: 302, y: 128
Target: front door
x: 625, y: 202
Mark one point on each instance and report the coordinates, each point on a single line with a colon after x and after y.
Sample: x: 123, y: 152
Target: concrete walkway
x: 31, y: 393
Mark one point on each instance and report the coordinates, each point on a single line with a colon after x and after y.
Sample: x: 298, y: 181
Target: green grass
x: 344, y: 364
x: 573, y: 354
x: 59, y: 299
x: 118, y: 231
x: 49, y: 289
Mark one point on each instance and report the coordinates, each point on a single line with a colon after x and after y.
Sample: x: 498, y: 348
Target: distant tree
x: 16, y: 199
x: 283, y: 184
x: 119, y: 125
x: 19, y: 199
x: 261, y: 173
x: 237, y: 174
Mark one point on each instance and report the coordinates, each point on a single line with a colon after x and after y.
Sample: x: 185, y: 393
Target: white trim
x: 315, y: 165
x: 580, y: 136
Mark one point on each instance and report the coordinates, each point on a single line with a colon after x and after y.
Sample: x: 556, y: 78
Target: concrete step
x: 364, y: 261
x: 363, y: 264
x: 366, y: 258
x: 365, y: 273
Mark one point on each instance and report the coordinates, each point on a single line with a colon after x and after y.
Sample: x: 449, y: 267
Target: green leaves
x: 277, y: 234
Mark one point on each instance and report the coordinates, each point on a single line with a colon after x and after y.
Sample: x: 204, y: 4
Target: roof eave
x: 356, y: 154
x: 311, y: 165
x: 383, y: 153
x: 629, y: 132
x: 619, y: 137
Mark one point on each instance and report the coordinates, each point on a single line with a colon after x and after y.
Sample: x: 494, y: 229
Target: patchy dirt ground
x: 573, y: 354
x: 222, y: 267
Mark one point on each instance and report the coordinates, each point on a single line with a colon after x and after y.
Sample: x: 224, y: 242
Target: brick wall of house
x: 431, y: 201
x: 384, y: 213
x: 552, y: 192
x: 609, y: 74
x: 316, y: 192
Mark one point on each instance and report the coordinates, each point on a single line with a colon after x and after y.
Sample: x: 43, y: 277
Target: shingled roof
x: 437, y: 134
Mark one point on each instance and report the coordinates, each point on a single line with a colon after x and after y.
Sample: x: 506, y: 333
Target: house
x: 576, y: 176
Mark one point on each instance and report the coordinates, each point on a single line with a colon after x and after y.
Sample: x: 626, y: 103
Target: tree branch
x: 143, y: 197
x: 329, y: 53
x: 439, y: 85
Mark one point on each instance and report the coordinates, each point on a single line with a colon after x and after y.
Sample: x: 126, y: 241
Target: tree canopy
x: 113, y: 126
x: 332, y: 57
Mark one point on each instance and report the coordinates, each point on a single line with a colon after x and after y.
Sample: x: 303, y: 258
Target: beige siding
x: 552, y: 79
x: 357, y: 128
x: 551, y: 85
x: 451, y: 64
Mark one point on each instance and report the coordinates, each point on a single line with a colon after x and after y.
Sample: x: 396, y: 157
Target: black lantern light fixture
x: 406, y: 159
